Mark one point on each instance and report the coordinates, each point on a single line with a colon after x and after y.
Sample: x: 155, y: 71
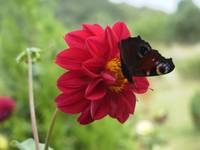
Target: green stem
x: 31, y: 102
x: 53, y: 120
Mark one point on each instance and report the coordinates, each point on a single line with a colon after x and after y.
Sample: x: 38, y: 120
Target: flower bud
x: 23, y: 56
x: 7, y: 106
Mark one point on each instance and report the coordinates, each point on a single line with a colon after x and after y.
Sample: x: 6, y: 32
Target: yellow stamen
x: 114, y: 66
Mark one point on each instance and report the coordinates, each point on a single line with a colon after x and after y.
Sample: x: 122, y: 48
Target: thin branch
x: 31, y: 102
x: 53, y: 120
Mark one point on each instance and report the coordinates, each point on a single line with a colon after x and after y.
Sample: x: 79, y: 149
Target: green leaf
x: 28, y: 144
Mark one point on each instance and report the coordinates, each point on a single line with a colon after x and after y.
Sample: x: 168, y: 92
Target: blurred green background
x: 172, y: 108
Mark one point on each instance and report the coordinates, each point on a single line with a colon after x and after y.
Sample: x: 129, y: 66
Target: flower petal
x: 85, y: 117
x: 113, y: 105
x: 72, y: 58
x: 109, y: 78
x: 121, y: 105
x: 130, y: 99
x: 72, y: 79
x: 99, y: 109
x: 76, y: 39
x: 141, y: 85
x: 111, y: 41
x: 95, y: 90
x: 93, y: 29
x: 93, y: 67
x: 72, y: 103
x: 97, y: 47
x: 122, y: 117
x: 121, y: 31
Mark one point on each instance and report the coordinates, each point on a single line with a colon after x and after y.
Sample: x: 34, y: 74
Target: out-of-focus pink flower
x: 7, y: 106
x: 94, y: 85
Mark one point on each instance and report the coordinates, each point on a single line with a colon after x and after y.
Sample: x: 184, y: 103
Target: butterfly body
x: 139, y: 59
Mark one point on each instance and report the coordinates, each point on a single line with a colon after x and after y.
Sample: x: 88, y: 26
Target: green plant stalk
x: 31, y: 102
x: 53, y: 120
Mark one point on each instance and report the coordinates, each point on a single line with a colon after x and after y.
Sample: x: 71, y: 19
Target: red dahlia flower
x: 94, y: 85
x: 6, y: 107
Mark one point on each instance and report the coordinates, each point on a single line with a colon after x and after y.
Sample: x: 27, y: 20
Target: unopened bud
x: 23, y: 56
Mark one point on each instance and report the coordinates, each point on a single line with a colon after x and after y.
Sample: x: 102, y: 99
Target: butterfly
x: 139, y: 59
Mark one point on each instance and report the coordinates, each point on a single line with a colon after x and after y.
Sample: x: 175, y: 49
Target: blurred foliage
x: 195, y: 111
x: 28, y: 144
x: 189, y: 67
x: 186, y: 22
x: 76, y: 12
x: 152, y: 28
x: 181, y: 26
x: 42, y: 24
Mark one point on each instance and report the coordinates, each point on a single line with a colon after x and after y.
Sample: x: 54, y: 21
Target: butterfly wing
x: 153, y: 64
x: 128, y: 57
x: 139, y: 59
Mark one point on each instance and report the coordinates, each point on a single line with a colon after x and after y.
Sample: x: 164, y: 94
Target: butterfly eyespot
x: 161, y: 69
x: 143, y: 50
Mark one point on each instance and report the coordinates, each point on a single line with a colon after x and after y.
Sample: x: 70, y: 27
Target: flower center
x: 114, y: 65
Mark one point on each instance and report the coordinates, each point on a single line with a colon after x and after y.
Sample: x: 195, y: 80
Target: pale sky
x: 168, y: 6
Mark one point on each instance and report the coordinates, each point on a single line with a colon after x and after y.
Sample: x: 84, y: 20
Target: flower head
x: 94, y: 85
x: 6, y: 107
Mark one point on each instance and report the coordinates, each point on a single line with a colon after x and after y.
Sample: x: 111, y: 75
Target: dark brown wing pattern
x: 139, y: 59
